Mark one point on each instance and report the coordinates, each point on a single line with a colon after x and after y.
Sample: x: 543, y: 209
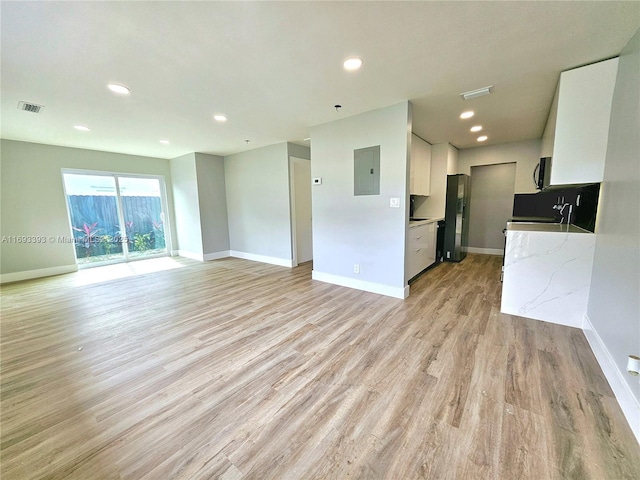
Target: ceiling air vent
x: 476, y: 93
x: 29, y: 107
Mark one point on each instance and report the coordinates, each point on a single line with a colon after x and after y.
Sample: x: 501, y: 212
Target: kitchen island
x: 547, y: 272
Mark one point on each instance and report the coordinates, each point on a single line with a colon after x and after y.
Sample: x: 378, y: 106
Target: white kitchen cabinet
x: 432, y: 237
x: 417, y: 254
x: 420, y: 167
x: 581, y: 130
x: 422, y: 248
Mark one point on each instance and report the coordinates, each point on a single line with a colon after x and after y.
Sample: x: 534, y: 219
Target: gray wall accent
x: 186, y: 203
x: 299, y: 151
x: 361, y: 230
x: 525, y: 154
x: 33, y: 201
x: 212, y: 197
x: 490, y: 204
x: 614, y: 298
x: 258, y: 204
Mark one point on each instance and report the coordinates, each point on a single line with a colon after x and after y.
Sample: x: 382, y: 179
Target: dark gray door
x: 491, y: 205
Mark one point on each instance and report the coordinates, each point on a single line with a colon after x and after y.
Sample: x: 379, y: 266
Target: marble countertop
x: 544, y: 227
x: 415, y: 223
x: 547, y: 272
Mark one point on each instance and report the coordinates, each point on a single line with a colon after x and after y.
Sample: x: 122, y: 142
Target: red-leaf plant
x: 89, y: 232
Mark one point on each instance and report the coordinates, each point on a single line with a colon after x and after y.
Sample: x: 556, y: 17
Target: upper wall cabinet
x: 420, y: 176
x: 581, y: 130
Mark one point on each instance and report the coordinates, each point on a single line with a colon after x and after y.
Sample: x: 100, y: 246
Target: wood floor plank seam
x: 237, y: 370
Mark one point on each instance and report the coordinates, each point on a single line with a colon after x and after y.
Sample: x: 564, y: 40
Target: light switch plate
x: 317, y: 180
x: 394, y: 202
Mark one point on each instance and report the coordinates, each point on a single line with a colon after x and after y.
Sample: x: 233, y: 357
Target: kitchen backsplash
x: 541, y: 204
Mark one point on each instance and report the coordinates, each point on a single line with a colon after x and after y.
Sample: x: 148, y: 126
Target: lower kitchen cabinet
x: 422, y: 248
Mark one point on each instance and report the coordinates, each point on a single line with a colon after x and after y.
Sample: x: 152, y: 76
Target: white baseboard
x: 627, y: 401
x: 486, y: 251
x: 41, y: 272
x: 396, y: 292
x: 216, y: 255
x: 175, y: 253
x: 204, y: 257
x: 191, y: 255
x: 283, y: 262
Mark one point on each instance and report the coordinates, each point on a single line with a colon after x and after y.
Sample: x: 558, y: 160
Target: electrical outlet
x: 448, y: 254
x: 394, y: 202
x: 356, y: 268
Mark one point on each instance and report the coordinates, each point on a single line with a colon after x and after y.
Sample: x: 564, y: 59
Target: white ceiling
x: 275, y: 68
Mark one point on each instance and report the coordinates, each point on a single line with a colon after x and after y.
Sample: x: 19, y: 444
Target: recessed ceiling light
x: 477, y: 93
x: 468, y: 114
x: 352, y: 63
x: 476, y: 128
x: 82, y: 128
x: 165, y: 142
x: 482, y: 138
x: 220, y: 118
x: 121, y: 89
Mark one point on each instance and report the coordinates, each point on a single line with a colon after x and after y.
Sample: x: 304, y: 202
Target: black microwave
x: 542, y: 173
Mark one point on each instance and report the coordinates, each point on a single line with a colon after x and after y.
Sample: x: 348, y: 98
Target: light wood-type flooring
x: 233, y: 369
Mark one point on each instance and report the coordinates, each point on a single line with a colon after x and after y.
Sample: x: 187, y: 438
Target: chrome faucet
x: 560, y: 206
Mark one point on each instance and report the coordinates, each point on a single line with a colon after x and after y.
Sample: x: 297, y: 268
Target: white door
x: 301, y: 193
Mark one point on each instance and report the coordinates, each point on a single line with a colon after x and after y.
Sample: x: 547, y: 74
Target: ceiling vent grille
x: 29, y: 107
x: 476, y: 93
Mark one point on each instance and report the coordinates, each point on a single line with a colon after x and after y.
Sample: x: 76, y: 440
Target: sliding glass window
x: 115, y: 218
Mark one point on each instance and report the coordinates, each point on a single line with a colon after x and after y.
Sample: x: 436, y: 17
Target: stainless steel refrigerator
x: 456, y: 233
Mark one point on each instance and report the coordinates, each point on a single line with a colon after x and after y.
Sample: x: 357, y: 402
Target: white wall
x: 212, y: 203
x: 613, y: 315
x: 361, y: 230
x: 257, y: 184
x: 33, y: 201
x: 525, y: 154
x: 186, y: 205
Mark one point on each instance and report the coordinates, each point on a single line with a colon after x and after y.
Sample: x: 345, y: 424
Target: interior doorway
x: 490, y: 206
x: 301, y: 222
x: 115, y: 218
